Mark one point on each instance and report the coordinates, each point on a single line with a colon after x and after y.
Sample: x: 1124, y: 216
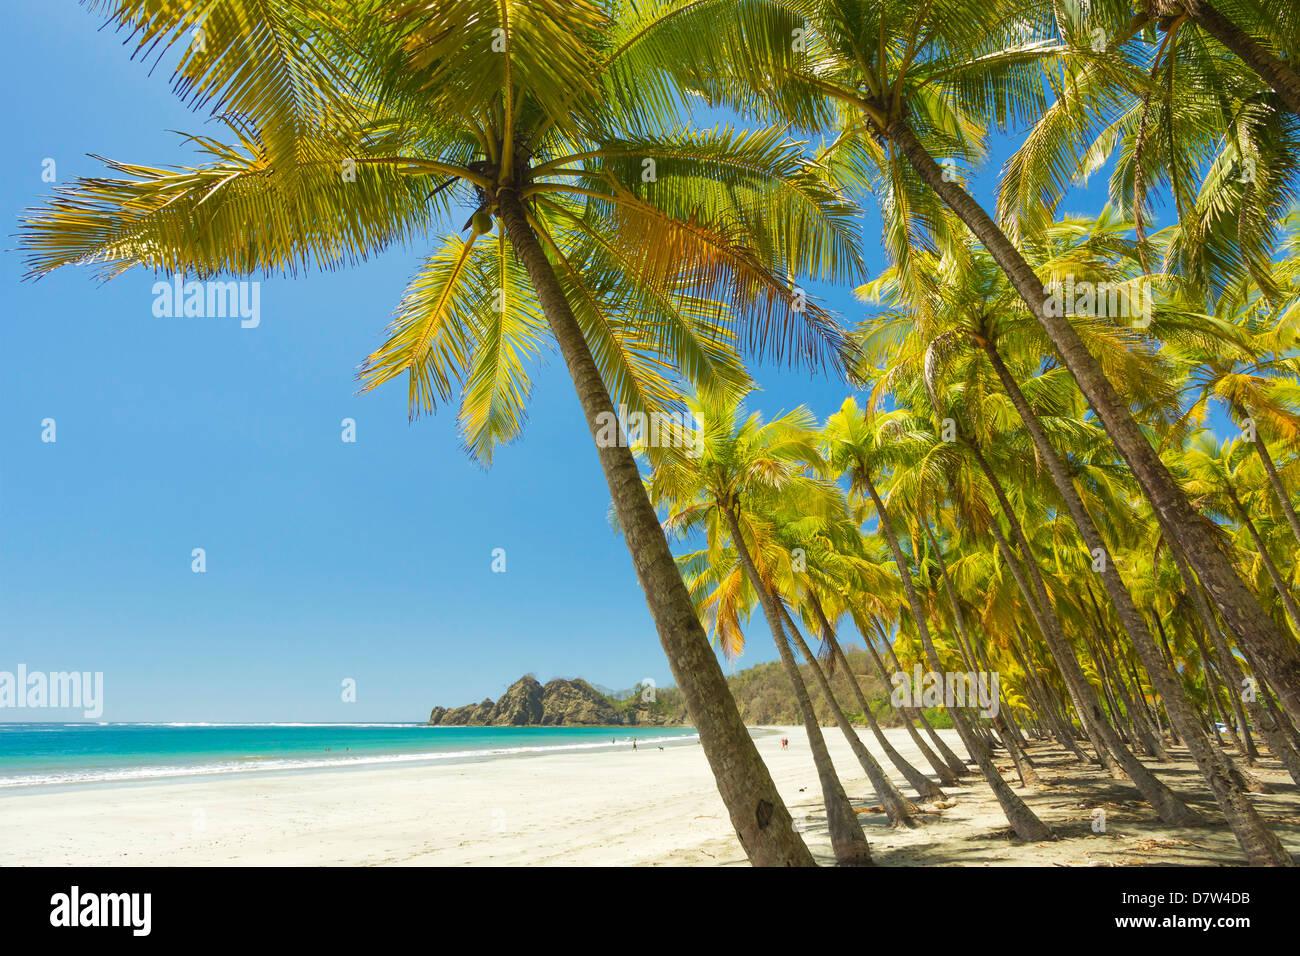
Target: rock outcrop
x: 576, y: 703
x: 471, y: 715
x: 521, y: 706
x: 561, y: 703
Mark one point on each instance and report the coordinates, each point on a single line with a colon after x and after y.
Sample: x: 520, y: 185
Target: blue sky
x: 325, y: 560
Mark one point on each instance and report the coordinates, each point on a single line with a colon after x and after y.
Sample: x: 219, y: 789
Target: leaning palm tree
x: 1251, y: 373
x: 1169, y: 113
x: 1215, y: 476
x: 595, y: 221
x: 1262, y: 35
x: 831, y: 548
x: 859, y: 448
x: 720, y: 485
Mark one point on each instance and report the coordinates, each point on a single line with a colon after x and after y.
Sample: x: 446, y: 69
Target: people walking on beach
x: 634, y: 743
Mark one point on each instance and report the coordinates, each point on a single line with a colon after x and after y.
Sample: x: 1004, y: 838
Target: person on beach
x: 634, y: 743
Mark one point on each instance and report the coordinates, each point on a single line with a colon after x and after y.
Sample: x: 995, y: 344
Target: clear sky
x: 325, y: 560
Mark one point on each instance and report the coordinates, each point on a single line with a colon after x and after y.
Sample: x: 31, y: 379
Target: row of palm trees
x: 1008, y: 537
x: 655, y: 255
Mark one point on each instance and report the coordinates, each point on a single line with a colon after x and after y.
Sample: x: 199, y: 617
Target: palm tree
x: 722, y: 589
x: 857, y: 449
x: 1024, y: 766
x: 1249, y: 371
x: 834, y: 563
x: 1170, y: 112
x: 720, y: 485
x: 595, y: 220
x: 1254, y: 37
x: 1214, y: 472
x: 1026, y: 572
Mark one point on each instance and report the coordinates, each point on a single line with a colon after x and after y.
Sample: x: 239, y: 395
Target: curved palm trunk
x: 1140, y: 697
x: 1274, y: 575
x: 1272, y: 70
x: 1288, y: 728
x: 923, y: 785
x: 1263, y: 717
x: 1005, y: 722
x: 955, y: 763
x: 1045, y: 700
x: 848, y: 841
x: 1278, y: 654
x: 1260, y: 844
x: 1275, y: 480
x: 1024, y: 767
x: 897, y: 808
x: 1023, y: 820
x: 1120, y: 719
x: 1115, y: 754
x: 1237, y: 725
x: 1218, y: 713
x: 1138, y: 713
x: 1077, y: 689
x: 945, y: 773
x: 762, y: 822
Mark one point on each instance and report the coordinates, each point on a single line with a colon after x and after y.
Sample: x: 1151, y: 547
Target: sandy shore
x: 597, y: 808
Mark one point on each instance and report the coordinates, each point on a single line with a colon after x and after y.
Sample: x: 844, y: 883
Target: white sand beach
x: 615, y: 807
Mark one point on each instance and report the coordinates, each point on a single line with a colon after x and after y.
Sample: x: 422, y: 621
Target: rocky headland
x: 558, y: 703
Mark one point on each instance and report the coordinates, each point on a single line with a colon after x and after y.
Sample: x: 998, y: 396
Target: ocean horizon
x: 43, y: 754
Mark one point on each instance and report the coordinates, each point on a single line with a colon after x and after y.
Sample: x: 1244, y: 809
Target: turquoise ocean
x: 63, y: 754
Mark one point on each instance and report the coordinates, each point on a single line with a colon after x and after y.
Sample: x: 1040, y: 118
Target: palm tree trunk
x: 955, y: 763
x: 1119, y: 719
x: 1023, y: 820
x: 1215, y: 704
x: 1028, y: 775
x: 1274, y: 735
x: 945, y: 773
x: 1046, y: 701
x: 1237, y: 725
x: 1067, y: 665
x: 1040, y: 608
x: 762, y: 822
x: 1278, y: 654
x: 923, y: 785
x: 848, y: 841
x: 1275, y: 480
x: 1133, y: 703
x: 1272, y: 70
x: 1274, y: 575
x: 890, y: 798
x: 1287, y: 728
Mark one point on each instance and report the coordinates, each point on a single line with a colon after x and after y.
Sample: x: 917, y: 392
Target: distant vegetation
x: 764, y: 696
